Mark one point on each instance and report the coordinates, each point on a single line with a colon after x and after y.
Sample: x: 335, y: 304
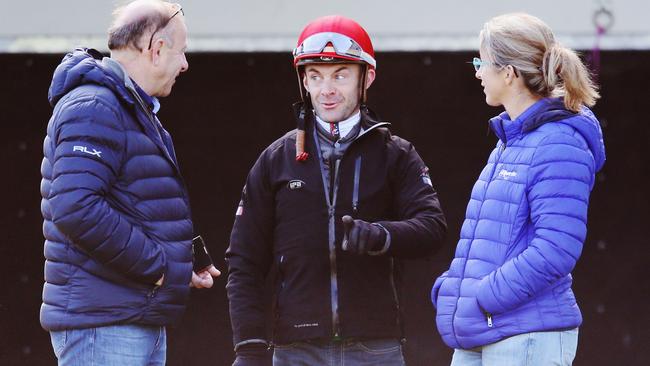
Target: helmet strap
x: 364, y: 71
x: 300, y: 86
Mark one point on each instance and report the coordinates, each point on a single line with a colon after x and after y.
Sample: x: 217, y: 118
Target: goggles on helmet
x: 342, y: 45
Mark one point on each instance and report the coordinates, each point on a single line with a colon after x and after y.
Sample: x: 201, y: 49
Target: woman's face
x: 492, y: 80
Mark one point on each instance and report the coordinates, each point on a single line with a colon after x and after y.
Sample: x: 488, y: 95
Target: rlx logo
x: 85, y: 150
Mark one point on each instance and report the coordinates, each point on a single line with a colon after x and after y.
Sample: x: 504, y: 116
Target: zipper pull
x: 489, y: 319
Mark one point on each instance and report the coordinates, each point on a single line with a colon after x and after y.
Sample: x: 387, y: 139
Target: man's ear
x: 304, y: 81
x: 156, y: 49
x: 370, y: 77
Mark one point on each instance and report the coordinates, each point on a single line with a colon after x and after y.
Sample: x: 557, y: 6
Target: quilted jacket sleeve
x: 559, y: 183
x: 89, y: 142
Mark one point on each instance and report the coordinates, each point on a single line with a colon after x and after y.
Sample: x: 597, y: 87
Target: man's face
x: 171, y: 57
x: 334, y: 89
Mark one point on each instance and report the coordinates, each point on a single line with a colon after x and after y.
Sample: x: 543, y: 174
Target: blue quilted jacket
x: 525, y: 225
x: 115, y: 208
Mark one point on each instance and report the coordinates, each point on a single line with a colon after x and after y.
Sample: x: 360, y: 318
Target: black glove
x: 361, y: 237
x: 254, y: 354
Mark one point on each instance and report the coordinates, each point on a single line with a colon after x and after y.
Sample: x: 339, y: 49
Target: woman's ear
x: 511, y: 74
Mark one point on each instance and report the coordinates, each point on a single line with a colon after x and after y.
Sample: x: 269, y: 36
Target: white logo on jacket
x: 295, y: 184
x: 506, y: 175
x: 85, y: 150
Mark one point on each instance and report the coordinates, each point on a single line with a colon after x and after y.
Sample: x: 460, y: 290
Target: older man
x: 117, y: 225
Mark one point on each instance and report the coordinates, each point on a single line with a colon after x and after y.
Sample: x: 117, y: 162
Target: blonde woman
x: 506, y: 298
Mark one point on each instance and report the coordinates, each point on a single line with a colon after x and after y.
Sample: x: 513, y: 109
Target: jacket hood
x: 84, y: 66
x: 553, y: 110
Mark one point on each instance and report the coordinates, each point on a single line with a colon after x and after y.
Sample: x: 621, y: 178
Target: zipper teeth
x: 332, y: 245
x: 494, y: 168
x: 355, y: 193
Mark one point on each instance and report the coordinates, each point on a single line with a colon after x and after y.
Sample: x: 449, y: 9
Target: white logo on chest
x: 506, y: 175
x: 295, y: 184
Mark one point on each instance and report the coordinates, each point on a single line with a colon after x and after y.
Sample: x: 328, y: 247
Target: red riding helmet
x: 334, y: 38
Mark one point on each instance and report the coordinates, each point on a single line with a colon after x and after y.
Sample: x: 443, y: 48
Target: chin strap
x: 362, y: 84
x: 299, y: 111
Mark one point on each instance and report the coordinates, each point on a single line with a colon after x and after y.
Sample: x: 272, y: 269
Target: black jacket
x: 286, y: 219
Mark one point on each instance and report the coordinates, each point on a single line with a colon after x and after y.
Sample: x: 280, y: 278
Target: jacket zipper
x: 497, y: 158
x: 395, y: 297
x: 154, y: 123
x: 331, y: 210
x: 332, y: 245
x: 502, y: 148
x: 355, y: 193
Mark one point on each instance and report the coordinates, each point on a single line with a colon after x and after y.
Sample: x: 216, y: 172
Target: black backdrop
x: 229, y: 106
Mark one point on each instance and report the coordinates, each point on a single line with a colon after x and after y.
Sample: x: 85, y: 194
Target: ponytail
x: 566, y: 76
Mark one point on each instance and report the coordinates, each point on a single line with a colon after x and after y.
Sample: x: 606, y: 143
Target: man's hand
x: 203, y: 279
x: 361, y: 237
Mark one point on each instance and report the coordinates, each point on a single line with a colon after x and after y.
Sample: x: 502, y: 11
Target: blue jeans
x: 116, y: 345
x: 528, y: 349
x: 371, y: 352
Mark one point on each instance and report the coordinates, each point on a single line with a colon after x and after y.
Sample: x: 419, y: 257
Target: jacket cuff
x: 252, y: 341
x: 435, y: 290
x: 386, y: 243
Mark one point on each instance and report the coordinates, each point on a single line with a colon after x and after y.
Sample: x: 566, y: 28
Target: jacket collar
x: 543, y: 111
x: 152, y: 102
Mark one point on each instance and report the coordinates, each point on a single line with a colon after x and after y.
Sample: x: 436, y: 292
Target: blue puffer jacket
x: 115, y: 208
x: 525, y: 225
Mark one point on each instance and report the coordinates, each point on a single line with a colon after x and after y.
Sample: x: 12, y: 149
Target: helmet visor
x: 341, y: 44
